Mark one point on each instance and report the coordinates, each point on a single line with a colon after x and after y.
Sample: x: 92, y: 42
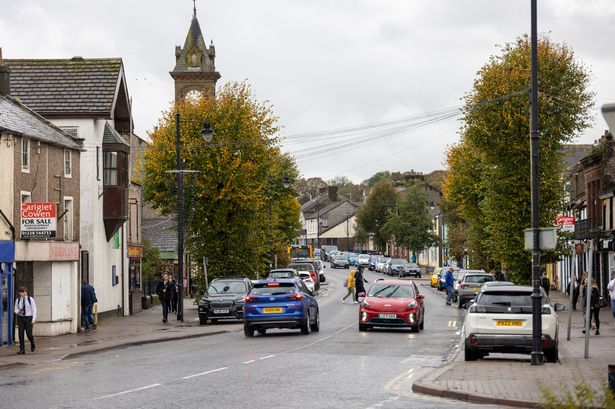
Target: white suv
x: 500, y: 320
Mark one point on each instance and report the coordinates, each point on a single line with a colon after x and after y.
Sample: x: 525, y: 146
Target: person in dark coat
x: 573, y: 286
x: 88, y: 298
x: 165, y: 292
x: 545, y: 283
x: 359, y: 280
x: 594, y: 307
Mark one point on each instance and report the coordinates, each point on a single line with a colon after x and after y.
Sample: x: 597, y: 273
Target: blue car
x: 352, y: 258
x: 282, y: 303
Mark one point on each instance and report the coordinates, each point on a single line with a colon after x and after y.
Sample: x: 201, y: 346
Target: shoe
x: 597, y: 332
x: 584, y: 331
x: 32, y: 348
x: 163, y: 320
x: 355, y: 302
x: 342, y: 300
x: 93, y: 327
x: 448, y: 303
x: 21, y: 352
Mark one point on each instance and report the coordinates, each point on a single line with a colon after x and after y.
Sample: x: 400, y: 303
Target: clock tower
x: 195, y: 72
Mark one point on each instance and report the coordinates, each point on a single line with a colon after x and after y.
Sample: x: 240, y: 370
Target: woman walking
x: 350, y: 286
x: 359, y: 280
x: 594, y: 307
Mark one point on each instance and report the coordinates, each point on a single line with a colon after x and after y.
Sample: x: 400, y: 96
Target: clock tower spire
x: 195, y: 72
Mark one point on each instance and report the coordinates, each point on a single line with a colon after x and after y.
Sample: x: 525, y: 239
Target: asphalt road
x: 338, y: 367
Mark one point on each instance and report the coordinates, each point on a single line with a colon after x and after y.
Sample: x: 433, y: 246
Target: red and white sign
x: 565, y: 223
x: 38, y: 220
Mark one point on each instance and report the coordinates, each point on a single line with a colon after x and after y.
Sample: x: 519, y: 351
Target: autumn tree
x: 238, y: 210
x: 372, y: 216
x: 489, y: 170
x: 309, y: 188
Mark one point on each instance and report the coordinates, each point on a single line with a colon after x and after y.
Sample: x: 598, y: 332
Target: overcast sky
x: 322, y: 64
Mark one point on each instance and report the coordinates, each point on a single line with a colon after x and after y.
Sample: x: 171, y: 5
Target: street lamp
x: 207, y: 133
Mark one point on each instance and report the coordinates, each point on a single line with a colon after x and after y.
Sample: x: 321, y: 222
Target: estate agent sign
x: 38, y: 220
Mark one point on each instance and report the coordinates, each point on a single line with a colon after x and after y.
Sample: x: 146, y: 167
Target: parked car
x: 224, y: 299
x: 457, y: 278
x: 340, y: 261
x: 488, y: 284
x: 410, y: 269
x: 394, y: 266
x: 327, y: 250
x: 352, y: 258
x: 363, y: 260
x: 373, y: 259
x: 284, y: 303
x: 392, y: 303
x: 309, y: 267
x: 379, y: 263
x: 435, y: 277
x: 283, y: 273
x: 441, y: 283
x: 500, y: 320
x: 385, y: 265
x: 308, y: 280
x: 470, y: 285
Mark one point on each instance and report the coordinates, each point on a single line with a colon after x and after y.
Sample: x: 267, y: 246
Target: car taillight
x: 296, y: 296
x: 274, y: 284
x: 313, y: 274
x: 249, y: 298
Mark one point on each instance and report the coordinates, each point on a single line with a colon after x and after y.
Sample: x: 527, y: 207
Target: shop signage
x: 565, y: 223
x: 135, y: 252
x: 38, y: 220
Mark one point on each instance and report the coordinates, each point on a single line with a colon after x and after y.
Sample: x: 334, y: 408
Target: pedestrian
x: 545, y: 283
x: 611, y: 287
x: 350, y: 286
x: 164, y: 291
x: 25, y: 310
x: 449, y: 282
x: 594, y: 307
x: 359, y: 280
x: 573, y: 286
x: 88, y: 298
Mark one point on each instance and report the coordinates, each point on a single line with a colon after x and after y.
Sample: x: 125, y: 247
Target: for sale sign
x: 38, y: 220
x: 565, y: 223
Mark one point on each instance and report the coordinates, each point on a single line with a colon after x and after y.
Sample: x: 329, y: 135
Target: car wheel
x: 422, y: 324
x: 248, y: 331
x: 552, y: 355
x: 363, y: 327
x: 262, y: 331
x: 315, y: 327
x: 470, y: 355
x: 202, y: 320
x: 414, y: 328
x: 460, y: 304
x: 305, y: 326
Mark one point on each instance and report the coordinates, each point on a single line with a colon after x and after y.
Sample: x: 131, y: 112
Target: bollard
x: 612, y: 378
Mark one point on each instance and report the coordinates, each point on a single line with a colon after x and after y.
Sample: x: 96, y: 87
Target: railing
x: 588, y: 229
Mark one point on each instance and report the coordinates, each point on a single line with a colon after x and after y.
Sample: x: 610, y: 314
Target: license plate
x: 276, y: 310
x: 508, y: 323
x: 387, y: 315
x: 221, y: 311
x: 476, y: 288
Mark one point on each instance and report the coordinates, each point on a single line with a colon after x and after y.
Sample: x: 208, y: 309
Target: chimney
x: 333, y: 193
x: 5, y: 78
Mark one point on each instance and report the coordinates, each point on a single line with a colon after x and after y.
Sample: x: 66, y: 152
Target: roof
x: 110, y: 135
x: 161, y: 233
x: 508, y: 288
x: 573, y: 153
x: 59, y: 86
x: 18, y: 119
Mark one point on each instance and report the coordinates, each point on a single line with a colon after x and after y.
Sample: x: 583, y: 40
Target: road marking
x: 266, y: 357
x: 318, y: 341
x: 205, y: 373
x: 154, y: 385
x: 249, y: 362
x: 452, y: 323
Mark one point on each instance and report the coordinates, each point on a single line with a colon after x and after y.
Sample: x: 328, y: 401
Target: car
x: 363, y: 260
x: 441, y: 283
x: 283, y: 273
x: 500, y: 320
x: 224, y: 299
x: 435, y: 276
x: 333, y: 254
x: 392, y: 303
x: 283, y: 303
x: 340, y: 261
x: 394, y: 267
x: 385, y: 269
x: 379, y: 263
x: 352, y: 258
x: 327, y: 250
x: 457, y: 278
x: 470, y: 285
x: 488, y: 284
x: 373, y: 258
x: 320, y: 267
x: 308, y: 280
x: 410, y: 269
x: 308, y: 266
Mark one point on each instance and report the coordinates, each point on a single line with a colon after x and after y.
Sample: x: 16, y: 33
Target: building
x: 40, y: 164
x: 88, y: 98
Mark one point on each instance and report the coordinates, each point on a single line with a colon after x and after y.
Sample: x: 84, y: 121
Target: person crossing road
x: 449, y: 282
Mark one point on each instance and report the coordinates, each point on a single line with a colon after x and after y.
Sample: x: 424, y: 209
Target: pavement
x: 115, y: 333
x: 510, y: 380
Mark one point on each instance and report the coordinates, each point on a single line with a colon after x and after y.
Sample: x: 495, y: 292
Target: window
x: 110, y: 168
x: 26, y: 197
x: 98, y: 163
x: 68, y: 218
x: 25, y: 155
x: 68, y: 166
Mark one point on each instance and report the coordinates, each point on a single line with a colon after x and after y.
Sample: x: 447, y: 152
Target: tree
x: 377, y: 177
x: 410, y: 224
x: 372, y: 216
x: 346, y: 188
x: 309, y: 188
x: 489, y: 170
x: 150, y: 268
x: 238, y: 210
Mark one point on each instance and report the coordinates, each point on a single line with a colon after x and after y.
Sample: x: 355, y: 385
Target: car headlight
x: 413, y: 304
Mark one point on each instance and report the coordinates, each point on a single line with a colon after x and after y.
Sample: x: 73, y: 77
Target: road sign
x: 38, y: 220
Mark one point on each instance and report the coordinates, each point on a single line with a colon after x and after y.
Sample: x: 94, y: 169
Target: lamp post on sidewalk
x: 208, y: 134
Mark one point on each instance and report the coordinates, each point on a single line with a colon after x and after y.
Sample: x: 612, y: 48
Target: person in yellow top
x: 350, y: 286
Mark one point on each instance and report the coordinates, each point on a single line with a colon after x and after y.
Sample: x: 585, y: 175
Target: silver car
x: 471, y: 285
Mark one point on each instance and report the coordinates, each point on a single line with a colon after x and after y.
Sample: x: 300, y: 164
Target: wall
x: 7, y: 165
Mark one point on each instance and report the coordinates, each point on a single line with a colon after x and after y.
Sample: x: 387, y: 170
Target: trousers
x: 24, y: 324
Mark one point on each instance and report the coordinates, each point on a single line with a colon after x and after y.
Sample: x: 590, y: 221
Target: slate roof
x: 161, y: 233
x: 110, y: 135
x: 16, y: 118
x: 76, y: 85
x: 194, y: 38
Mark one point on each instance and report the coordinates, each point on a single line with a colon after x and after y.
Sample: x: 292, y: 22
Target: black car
x: 224, y: 299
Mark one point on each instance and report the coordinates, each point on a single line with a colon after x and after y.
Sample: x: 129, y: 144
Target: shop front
x: 135, y: 257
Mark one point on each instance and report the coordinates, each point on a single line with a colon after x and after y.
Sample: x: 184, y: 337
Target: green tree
x: 372, y: 216
x: 238, y: 192
x: 150, y: 267
x: 346, y: 188
x: 410, y: 224
x: 309, y: 188
x: 489, y: 179
x: 378, y: 177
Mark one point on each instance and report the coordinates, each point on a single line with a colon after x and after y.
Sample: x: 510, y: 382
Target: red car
x: 392, y: 303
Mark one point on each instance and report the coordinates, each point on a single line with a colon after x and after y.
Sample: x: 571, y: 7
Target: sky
x: 323, y: 64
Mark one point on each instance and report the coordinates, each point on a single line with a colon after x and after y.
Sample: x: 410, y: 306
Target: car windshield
x: 281, y: 274
x: 273, y: 289
x: 391, y: 291
x: 227, y: 287
x: 512, y: 302
x: 340, y: 257
x: 478, y: 278
x: 304, y: 276
x: 381, y: 259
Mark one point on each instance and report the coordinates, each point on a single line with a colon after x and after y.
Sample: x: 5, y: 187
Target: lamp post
x: 537, y: 355
x: 208, y: 134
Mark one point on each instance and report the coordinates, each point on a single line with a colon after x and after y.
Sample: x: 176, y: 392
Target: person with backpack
x: 350, y: 286
x: 25, y: 310
x: 88, y: 299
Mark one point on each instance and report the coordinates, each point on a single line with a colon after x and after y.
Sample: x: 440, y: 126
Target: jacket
x: 165, y: 290
x: 449, y: 280
x: 88, y: 295
x: 351, y: 280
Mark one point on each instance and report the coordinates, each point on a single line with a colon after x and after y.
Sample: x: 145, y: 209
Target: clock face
x: 194, y: 95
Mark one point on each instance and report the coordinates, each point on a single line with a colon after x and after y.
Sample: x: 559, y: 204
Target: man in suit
x: 165, y: 292
x: 25, y: 311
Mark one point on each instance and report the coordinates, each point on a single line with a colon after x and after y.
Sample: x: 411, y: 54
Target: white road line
x: 205, y: 373
x: 266, y: 357
x: 128, y: 391
x: 249, y: 362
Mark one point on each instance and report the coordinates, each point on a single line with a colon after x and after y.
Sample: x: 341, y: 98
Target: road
x: 338, y: 367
